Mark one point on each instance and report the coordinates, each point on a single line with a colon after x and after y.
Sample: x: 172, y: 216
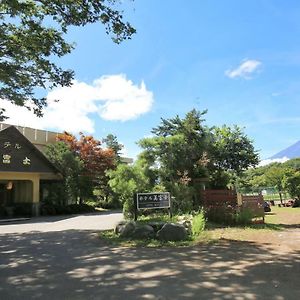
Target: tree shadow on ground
x: 78, y: 265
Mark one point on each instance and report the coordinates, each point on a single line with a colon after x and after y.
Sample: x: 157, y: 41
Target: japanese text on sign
x: 153, y: 200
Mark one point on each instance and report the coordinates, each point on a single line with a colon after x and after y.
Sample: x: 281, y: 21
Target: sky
x: 240, y: 60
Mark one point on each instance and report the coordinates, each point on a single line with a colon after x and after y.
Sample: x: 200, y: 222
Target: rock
x: 172, y: 232
x: 119, y: 226
x: 128, y: 229
x: 187, y: 224
x: 157, y: 225
x: 143, y: 232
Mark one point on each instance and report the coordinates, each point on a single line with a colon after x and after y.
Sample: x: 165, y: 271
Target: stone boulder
x: 172, y: 232
x: 157, y: 225
x: 143, y: 232
x: 120, y: 226
x: 187, y: 224
x: 125, y: 230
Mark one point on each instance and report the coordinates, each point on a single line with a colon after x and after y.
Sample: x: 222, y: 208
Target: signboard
x: 153, y: 200
x: 17, y: 154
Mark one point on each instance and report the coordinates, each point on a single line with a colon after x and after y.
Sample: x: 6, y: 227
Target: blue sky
x: 238, y: 59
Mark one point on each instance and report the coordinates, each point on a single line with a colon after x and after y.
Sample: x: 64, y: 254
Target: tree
x: 71, y: 167
x: 125, y: 181
x: 178, y: 147
x: 111, y: 142
x: 232, y: 149
x: 275, y: 177
x: 96, y: 161
x: 32, y: 34
x: 292, y: 184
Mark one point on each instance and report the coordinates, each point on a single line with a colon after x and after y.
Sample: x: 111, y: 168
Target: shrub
x: 22, y: 209
x: 198, y: 223
x: 183, y: 198
x: 243, y: 216
x: 296, y: 203
x: 223, y: 214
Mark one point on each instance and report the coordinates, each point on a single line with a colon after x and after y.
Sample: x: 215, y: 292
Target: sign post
x: 152, y: 201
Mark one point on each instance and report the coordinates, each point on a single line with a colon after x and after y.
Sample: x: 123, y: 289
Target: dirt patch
x: 282, y: 230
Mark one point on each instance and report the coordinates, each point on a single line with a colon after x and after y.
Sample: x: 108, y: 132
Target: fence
x: 217, y: 199
x: 254, y: 203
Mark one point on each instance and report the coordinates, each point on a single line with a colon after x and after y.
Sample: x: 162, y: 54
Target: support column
x: 36, y: 197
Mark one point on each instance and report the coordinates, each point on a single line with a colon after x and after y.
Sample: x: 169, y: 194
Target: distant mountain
x: 290, y: 152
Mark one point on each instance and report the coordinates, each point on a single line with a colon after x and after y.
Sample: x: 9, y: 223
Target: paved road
x: 96, y: 221
x: 59, y: 260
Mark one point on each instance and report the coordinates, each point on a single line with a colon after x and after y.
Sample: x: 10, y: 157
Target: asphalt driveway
x: 72, y: 263
x: 95, y: 221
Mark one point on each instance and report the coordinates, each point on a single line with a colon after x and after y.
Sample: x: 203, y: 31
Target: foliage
x: 243, y: 216
x: 71, y: 167
x: 177, y: 147
x: 96, y: 160
x: 32, y: 35
x: 232, y: 149
x: 224, y: 214
x: 184, y: 150
x: 183, y: 201
x: 198, y: 223
x: 229, y: 215
x: 125, y: 181
x: 111, y: 142
x: 292, y: 184
x: 83, y: 164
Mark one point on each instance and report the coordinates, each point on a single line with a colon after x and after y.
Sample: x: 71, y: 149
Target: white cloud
x: 112, y: 97
x: 244, y: 70
x: 269, y: 161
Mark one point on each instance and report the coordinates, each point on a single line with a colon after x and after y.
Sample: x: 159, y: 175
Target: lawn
x: 278, y: 220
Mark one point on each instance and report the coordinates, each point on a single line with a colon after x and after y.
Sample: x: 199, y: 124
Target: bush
x: 243, y: 216
x: 22, y: 209
x: 183, y: 198
x: 223, y: 214
x: 129, y: 208
x: 198, y: 223
x: 296, y: 203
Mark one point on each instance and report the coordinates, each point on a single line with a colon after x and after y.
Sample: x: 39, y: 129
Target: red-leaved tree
x: 96, y: 160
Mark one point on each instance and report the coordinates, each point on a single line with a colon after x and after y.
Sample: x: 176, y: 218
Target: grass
x: 110, y: 237
x: 276, y: 197
x: 277, y: 220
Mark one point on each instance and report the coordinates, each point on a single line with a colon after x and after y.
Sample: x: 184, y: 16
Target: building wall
x: 40, y: 138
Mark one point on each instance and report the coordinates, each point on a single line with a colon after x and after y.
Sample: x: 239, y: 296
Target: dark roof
x: 18, y: 154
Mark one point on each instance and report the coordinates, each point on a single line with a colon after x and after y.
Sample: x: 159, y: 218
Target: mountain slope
x: 290, y: 152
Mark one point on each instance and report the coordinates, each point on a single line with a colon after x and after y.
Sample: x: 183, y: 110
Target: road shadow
x: 79, y: 265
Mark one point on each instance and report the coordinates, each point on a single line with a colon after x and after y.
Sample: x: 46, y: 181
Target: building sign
x: 18, y: 154
x: 153, y: 200
x: 9, y: 148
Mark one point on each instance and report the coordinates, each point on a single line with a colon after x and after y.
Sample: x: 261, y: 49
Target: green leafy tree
x: 232, y: 151
x: 71, y: 187
x: 111, y: 142
x: 32, y: 34
x: 178, y: 147
x: 125, y: 181
x: 275, y: 177
x: 292, y: 184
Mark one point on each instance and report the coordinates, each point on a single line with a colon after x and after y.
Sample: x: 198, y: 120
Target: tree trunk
x: 280, y: 195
